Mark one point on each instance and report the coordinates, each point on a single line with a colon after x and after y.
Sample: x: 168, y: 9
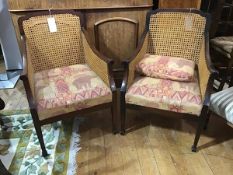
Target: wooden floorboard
x: 163, y: 146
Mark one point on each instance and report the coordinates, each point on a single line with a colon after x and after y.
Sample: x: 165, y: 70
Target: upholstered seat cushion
x: 223, y: 44
x: 222, y: 104
x: 166, y: 67
x: 182, y: 97
x: 67, y: 89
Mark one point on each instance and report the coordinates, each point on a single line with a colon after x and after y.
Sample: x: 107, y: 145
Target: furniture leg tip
x: 114, y: 132
x: 4, y: 128
x: 123, y: 133
x: 194, y: 148
x: 45, y: 154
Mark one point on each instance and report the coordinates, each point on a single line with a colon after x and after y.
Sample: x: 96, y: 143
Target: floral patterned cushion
x: 67, y: 89
x: 165, y: 67
x: 182, y: 97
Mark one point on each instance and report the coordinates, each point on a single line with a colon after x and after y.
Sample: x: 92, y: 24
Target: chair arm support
x: 111, y: 78
x: 103, y: 65
x: 28, y: 72
x: 207, y: 56
x: 209, y: 88
x: 207, y: 66
x: 24, y: 55
x: 125, y: 76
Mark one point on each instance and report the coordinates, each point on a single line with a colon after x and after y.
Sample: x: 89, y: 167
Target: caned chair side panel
x: 136, y: 60
x: 58, y: 49
x: 30, y: 70
x: 203, y: 71
x: 99, y: 66
x: 170, y: 34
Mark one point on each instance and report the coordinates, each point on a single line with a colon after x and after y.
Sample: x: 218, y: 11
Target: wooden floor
x: 158, y: 146
x: 155, y: 145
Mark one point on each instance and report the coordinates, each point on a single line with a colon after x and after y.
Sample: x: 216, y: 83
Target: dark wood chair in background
x: 221, y: 104
x: 221, y: 35
x: 221, y: 49
x: 166, y: 35
x: 64, y: 75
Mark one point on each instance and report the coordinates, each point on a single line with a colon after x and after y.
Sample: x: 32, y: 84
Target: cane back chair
x: 165, y: 34
x: 64, y: 75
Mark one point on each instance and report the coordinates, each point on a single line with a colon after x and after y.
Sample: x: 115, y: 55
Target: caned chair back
x: 176, y: 33
x: 53, y: 49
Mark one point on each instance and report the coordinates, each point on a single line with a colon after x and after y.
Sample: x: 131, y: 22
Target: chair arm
x: 24, y: 55
x: 125, y: 76
x: 28, y: 72
x: 207, y: 73
x: 99, y: 63
x: 130, y: 64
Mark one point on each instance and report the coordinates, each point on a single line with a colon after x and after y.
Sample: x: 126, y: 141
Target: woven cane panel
x: 51, y: 50
x: 170, y: 36
x: 203, y: 72
x: 99, y: 66
x: 135, y: 61
x: 30, y: 71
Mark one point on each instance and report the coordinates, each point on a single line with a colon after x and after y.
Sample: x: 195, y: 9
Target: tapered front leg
x: 37, y: 126
x: 114, y: 112
x: 200, y: 127
x: 123, y: 112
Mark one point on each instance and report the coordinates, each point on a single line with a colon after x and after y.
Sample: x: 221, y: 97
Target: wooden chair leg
x: 201, y: 124
x: 222, y: 83
x: 37, y: 126
x: 231, y: 80
x: 114, y: 113
x: 207, y: 119
x: 3, y: 170
x: 123, y: 112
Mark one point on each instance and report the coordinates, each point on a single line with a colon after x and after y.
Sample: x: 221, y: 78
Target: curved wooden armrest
x: 125, y: 76
x: 27, y: 74
x: 206, y: 67
x: 98, y: 62
x: 24, y: 55
x: 93, y: 49
x: 130, y: 64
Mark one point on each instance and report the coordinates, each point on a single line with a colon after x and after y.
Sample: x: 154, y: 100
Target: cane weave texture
x: 50, y: 50
x: 135, y: 61
x: 177, y: 34
x: 203, y: 71
x: 99, y: 66
x: 30, y: 72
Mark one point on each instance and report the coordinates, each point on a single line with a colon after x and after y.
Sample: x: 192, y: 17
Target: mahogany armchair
x: 166, y: 34
x: 63, y: 75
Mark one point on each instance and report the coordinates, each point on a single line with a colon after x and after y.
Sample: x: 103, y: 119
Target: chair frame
x: 206, y: 101
x: 32, y: 104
